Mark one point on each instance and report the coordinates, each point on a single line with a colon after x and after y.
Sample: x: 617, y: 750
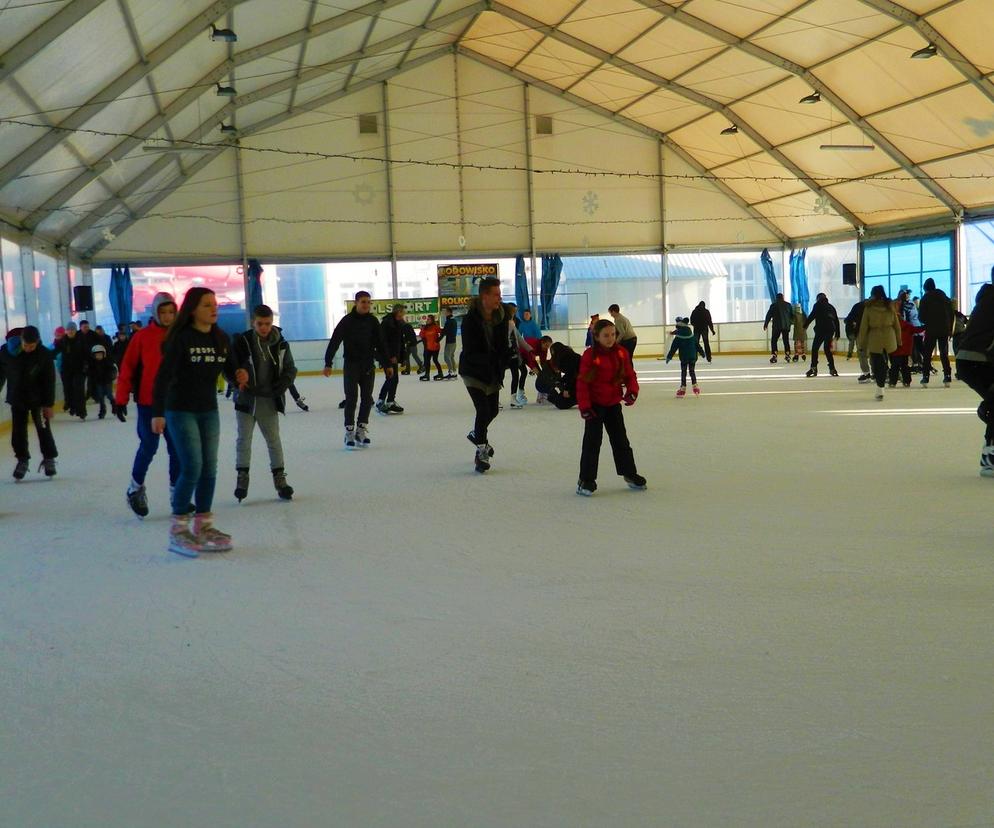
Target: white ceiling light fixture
x: 848, y: 147
x: 226, y: 35
x: 730, y: 130
x: 925, y: 52
x: 225, y: 91
x: 813, y: 98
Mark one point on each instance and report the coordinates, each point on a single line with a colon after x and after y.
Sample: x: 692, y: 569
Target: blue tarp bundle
x: 121, y: 294
x: 521, y: 297
x: 254, y: 297
x: 799, y: 278
x: 771, y: 276
x: 552, y: 269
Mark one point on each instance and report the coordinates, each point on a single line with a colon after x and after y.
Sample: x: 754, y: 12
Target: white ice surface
x: 791, y: 627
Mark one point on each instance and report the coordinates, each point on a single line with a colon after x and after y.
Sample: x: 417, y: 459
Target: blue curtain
x: 552, y: 270
x: 799, y: 278
x: 521, y: 297
x: 121, y: 294
x: 771, y: 276
x: 254, y: 297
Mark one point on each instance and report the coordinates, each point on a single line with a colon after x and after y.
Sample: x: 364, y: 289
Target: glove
x: 121, y: 412
x: 630, y: 398
x: 588, y: 414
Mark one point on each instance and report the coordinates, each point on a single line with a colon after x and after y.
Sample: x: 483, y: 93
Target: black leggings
x: 611, y: 419
x: 980, y: 377
x: 822, y: 340
x: 775, y: 338
x: 487, y: 406
x: 878, y: 366
x: 684, y: 368
x: 19, y: 433
x: 429, y: 357
x: 899, y: 365
x: 928, y: 348
x: 518, y: 373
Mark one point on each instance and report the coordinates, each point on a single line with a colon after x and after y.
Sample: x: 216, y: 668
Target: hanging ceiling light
x: 848, y: 147
x: 925, y: 52
x: 227, y: 35
x: 228, y: 129
x: 730, y: 130
x: 225, y: 91
x: 813, y: 98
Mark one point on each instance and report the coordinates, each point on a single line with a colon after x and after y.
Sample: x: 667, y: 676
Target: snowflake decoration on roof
x: 108, y: 234
x: 822, y: 206
x: 590, y: 205
x: 363, y: 193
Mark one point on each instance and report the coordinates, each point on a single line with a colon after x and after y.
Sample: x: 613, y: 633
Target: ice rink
x: 791, y: 627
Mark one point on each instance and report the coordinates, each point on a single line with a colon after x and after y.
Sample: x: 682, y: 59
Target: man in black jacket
x: 27, y: 368
x: 486, y: 353
x: 700, y: 320
x: 976, y: 368
x: 392, y: 332
x: 853, y: 320
x: 410, y: 342
x: 780, y: 315
x: 936, y: 313
x: 75, y: 352
x: 359, y: 332
x: 827, y: 329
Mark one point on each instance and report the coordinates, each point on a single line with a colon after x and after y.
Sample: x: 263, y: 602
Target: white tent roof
x: 636, y: 92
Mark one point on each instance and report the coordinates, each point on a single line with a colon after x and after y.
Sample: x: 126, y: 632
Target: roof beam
x: 195, y: 91
x: 816, y: 84
x: 311, y: 14
x: 58, y: 24
x: 686, y: 92
x: 110, y: 93
x: 942, y: 44
x: 583, y: 103
x: 274, y: 120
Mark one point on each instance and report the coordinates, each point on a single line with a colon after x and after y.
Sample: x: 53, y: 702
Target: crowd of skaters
x: 171, y: 369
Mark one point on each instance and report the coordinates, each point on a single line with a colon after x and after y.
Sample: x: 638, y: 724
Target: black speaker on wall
x: 849, y: 273
x: 82, y: 297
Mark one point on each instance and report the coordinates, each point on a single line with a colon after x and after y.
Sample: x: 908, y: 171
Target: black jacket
x: 450, y: 330
x: 75, y: 353
x: 568, y: 363
x: 30, y: 378
x: 936, y: 313
x: 117, y: 350
x: 781, y: 314
x: 826, y: 319
x: 361, y: 336
x: 393, y: 337
x: 408, y: 336
x: 700, y: 319
x: 484, y: 358
x: 854, y: 317
x: 284, y: 370
x: 978, y: 338
x: 101, y: 371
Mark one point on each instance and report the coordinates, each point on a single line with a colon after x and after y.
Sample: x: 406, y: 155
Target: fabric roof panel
x: 967, y: 178
x: 334, y: 44
x: 612, y: 88
x: 733, y: 75
x: 895, y: 197
x: 664, y: 110
x: 156, y: 21
x: 823, y: 29
x: 20, y: 21
x: 830, y: 164
x: 968, y: 25
x: 671, y: 48
x: 759, y: 179
x: 609, y: 24
x: 703, y: 140
x: 260, y: 73
x: 779, y: 116
x: 896, y: 77
x: 557, y: 63
x: 797, y: 216
x: 499, y: 38
x: 254, y: 22
x: 741, y: 19
x: 548, y: 11
x: 956, y: 120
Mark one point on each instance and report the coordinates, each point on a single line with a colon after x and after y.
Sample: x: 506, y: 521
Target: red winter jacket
x: 604, y: 365
x: 143, y: 356
x: 908, y: 332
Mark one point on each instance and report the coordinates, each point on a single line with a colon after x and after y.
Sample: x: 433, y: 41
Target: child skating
x: 606, y: 379
x: 685, y: 341
x: 800, y: 335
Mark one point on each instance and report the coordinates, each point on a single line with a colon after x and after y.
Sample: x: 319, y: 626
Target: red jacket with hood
x: 142, y: 358
x: 605, y: 376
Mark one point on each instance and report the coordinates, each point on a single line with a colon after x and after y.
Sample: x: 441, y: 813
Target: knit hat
x: 60, y: 331
x: 158, y: 301
x: 98, y: 349
x: 71, y: 327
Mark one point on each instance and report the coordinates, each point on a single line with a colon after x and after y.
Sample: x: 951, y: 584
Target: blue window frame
x: 902, y: 264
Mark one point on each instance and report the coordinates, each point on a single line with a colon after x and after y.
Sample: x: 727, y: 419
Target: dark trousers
x: 822, y: 341
x: 561, y: 402
x: 703, y: 336
x: 684, y: 368
x: 102, y: 394
x: 899, y: 366
x: 487, y: 406
x: 980, y: 377
x: 431, y: 356
x: 77, y: 393
x: 148, y: 445
x: 19, y: 433
x: 611, y: 419
x: 388, y: 391
x: 358, y: 380
x: 878, y: 367
x: 629, y: 345
x: 518, y: 374
x: 775, y: 341
x: 411, y: 351
x: 928, y: 348
x: 66, y: 390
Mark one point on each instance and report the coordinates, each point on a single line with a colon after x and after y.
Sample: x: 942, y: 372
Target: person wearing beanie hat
x: 685, y: 342
x: 936, y: 313
x: 75, y: 353
x: 139, y: 367
x: 101, y: 372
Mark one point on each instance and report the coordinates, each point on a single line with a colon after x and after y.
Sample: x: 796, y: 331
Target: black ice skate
x: 283, y: 489
x: 20, y: 469
x: 241, y: 484
x: 586, y: 487
x: 48, y: 466
x: 138, y: 501
x: 483, y: 455
x: 472, y: 438
x: 811, y: 372
x: 635, y: 481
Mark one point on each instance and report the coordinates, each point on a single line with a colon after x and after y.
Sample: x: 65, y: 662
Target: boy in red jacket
x: 139, y: 366
x: 899, y: 359
x: 606, y: 379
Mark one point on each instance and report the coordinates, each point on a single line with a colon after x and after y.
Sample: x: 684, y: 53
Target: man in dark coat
x: 392, y: 331
x: 780, y: 316
x: 700, y: 321
x: 827, y: 329
x: 28, y: 369
x: 486, y: 353
x: 936, y: 313
x: 853, y: 320
x: 75, y: 354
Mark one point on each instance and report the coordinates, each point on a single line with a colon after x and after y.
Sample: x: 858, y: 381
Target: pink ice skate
x: 697, y: 391
x: 681, y: 391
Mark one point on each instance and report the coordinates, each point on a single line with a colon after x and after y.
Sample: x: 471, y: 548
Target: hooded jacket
x: 780, y: 314
x: 361, y: 337
x: 976, y: 341
x: 826, y: 319
x: 30, y: 377
x: 854, y: 317
x: 431, y: 336
x: 246, y: 348
x: 393, y: 337
x: 606, y: 374
x: 700, y: 319
x: 879, y: 329
x: 685, y: 341
x: 141, y: 362
x: 486, y: 348
x: 935, y: 311
x: 908, y: 332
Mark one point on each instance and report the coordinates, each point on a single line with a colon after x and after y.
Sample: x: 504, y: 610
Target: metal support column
x: 462, y: 205
x: 388, y: 164
x: 28, y: 282
x: 664, y: 258
x: 62, y: 266
x: 242, y: 242
x: 531, y: 195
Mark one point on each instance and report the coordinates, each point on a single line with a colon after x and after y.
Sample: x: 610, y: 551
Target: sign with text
x: 418, y: 310
x: 458, y: 283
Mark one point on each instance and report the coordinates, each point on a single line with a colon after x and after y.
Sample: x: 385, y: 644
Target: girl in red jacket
x: 606, y: 379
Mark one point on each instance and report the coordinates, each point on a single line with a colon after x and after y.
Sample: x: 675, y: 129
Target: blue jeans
x: 148, y: 445
x: 195, y: 435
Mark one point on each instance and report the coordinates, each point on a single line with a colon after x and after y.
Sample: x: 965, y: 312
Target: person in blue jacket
x: 528, y: 327
x: 685, y: 342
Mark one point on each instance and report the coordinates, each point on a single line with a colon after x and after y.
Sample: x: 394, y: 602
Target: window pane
x: 906, y: 257
x: 13, y: 284
x: 979, y: 255
x: 824, y: 267
x: 876, y: 260
x: 590, y: 284
x: 937, y: 254
x: 300, y: 306
x: 943, y: 280
x: 46, y: 285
